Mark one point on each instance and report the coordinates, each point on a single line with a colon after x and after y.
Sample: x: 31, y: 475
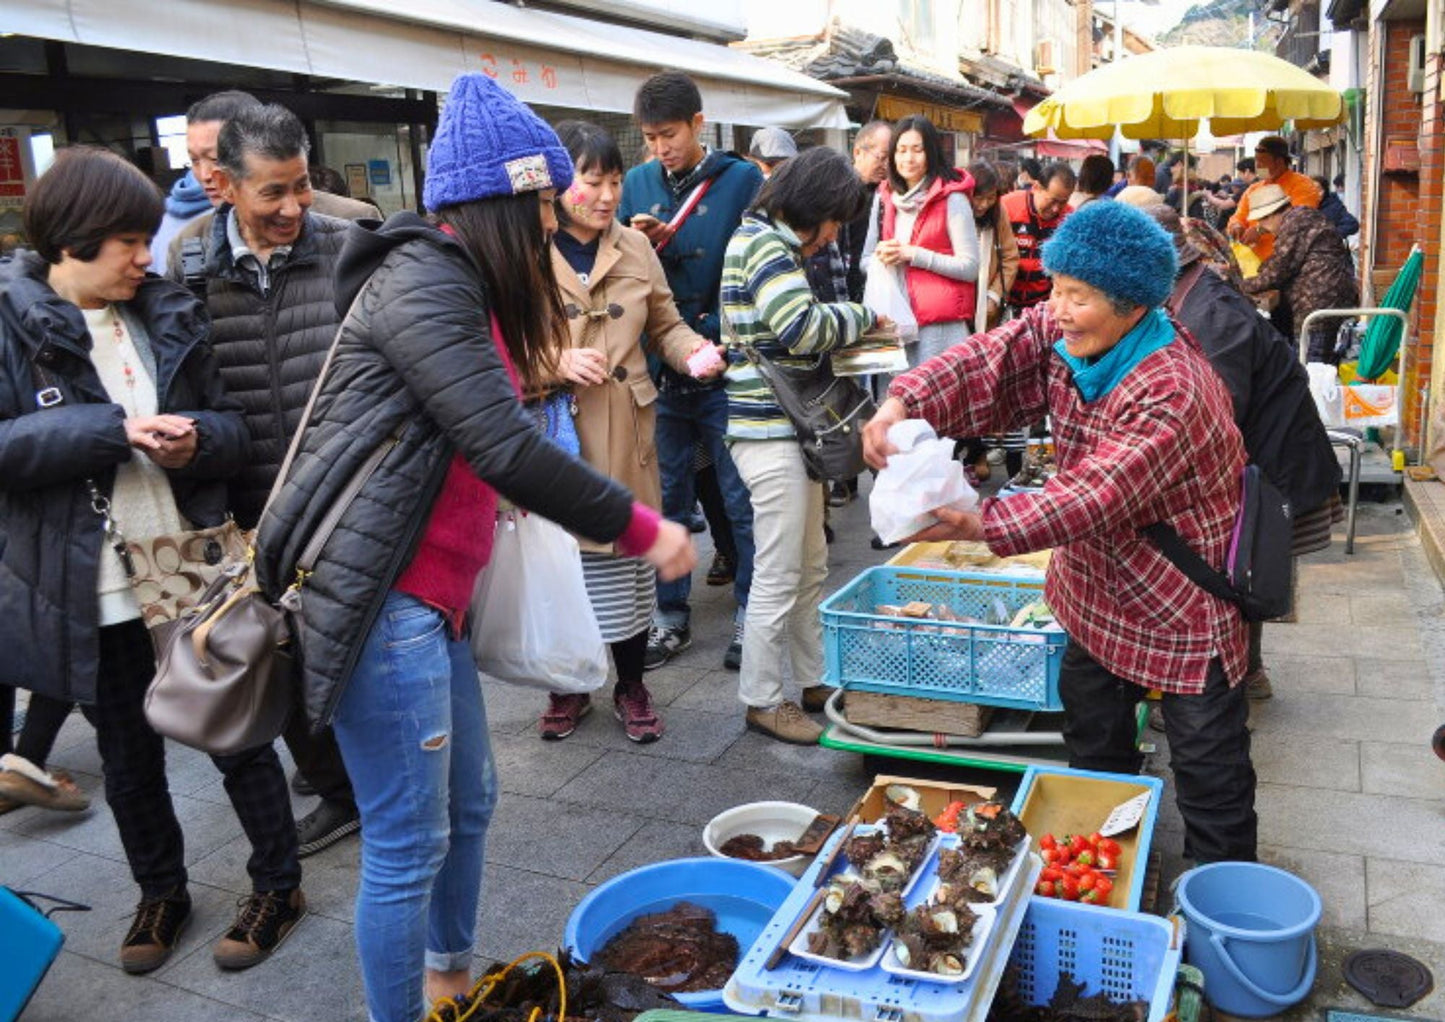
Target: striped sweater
x: 766, y: 302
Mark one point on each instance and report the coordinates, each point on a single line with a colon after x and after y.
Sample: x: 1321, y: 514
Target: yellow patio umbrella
x: 1166, y: 93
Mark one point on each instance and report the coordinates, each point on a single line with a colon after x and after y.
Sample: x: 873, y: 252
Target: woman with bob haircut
x: 448, y: 324
x: 767, y: 303
x: 110, y: 399
x: 616, y: 299
x: 1133, y: 402
x: 922, y: 224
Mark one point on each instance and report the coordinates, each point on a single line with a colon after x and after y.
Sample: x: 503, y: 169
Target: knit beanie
x: 1116, y: 248
x: 490, y: 144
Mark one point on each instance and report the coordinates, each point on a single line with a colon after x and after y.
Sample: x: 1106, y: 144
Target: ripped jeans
x: 413, y: 731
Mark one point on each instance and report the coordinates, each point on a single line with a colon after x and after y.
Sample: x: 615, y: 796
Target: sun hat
x: 1139, y: 195
x: 772, y: 144
x: 1117, y: 249
x: 490, y: 144
x: 1264, y: 200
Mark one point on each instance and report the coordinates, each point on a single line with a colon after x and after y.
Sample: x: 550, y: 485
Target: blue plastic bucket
x: 744, y: 896
x: 1251, y: 932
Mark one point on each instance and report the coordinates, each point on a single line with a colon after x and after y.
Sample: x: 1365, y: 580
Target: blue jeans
x: 413, y: 731
x: 682, y: 419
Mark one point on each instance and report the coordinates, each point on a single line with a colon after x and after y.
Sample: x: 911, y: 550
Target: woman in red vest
x: 922, y: 225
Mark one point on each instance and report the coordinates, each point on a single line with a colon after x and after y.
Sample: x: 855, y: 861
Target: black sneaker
x: 265, y: 920
x: 154, y: 932
x: 733, y: 658
x: 325, y: 825
x: 665, y: 643
x: 722, y: 570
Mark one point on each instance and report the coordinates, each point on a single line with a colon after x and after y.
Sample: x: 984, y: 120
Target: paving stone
x: 569, y: 842
x: 1320, y: 608
x: 78, y: 987
x: 24, y: 858
x: 1331, y: 716
x: 836, y: 794
x: 511, y: 709
x: 527, y: 765
x: 1405, y: 899
x: 1339, y: 880
x: 1351, y: 823
x: 1332, y: 763
x: 715, y: 691
x: 1294, y: 673
x: 655, y: 841
x: 1410, y: 771
x: 1393, y: 679
x: 755, y: 751
x: 522, y: 911
x: 1388, y: 642
x: 314, y: 974
x: 1371, y: 611
x: 684, y: 793
x: 688, y: 734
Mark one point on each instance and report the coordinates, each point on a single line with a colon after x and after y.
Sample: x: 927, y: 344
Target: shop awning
x: 542, y: 57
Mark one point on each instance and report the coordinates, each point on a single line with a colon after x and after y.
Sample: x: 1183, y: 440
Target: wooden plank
x: 914, y: 713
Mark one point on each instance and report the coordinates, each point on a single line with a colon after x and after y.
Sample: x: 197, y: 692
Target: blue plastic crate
x: 1127, y: 956
x: 967, y: 663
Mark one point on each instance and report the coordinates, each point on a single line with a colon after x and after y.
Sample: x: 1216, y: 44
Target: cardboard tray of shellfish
x: 912, y: 925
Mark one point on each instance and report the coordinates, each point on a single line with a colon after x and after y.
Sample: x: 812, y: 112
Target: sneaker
x: 664, y: 643
x: 265, y: 920
x: 563, y: 714
x: 815, y: 697
x: 1257, y: 686
x: 633, y: 706
x: 154, y: 932
x: 733, y: 658
x: 696, y: 522
x: 839, y: 495
x: 325, y: 825
x: 23, y: 782
x: 722, y: 571
x: 786, y: 722
x: 301, y: 786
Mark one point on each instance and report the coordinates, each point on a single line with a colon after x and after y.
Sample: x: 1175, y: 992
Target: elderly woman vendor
x: 1144, y: 432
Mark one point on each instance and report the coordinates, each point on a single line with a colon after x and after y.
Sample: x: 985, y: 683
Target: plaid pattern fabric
x: 1162, y: 446
x: 134, y: 763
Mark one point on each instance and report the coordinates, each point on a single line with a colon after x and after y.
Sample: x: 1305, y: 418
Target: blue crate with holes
x: 961, y: 661
x: 1127, y: 956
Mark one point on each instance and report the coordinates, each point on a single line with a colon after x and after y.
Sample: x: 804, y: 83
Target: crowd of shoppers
x: 548, y: 279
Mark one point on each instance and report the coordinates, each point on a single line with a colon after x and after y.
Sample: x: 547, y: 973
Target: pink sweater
x: 457, y: 543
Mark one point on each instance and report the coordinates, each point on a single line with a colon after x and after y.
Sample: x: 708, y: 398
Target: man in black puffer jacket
x: 270, y: 267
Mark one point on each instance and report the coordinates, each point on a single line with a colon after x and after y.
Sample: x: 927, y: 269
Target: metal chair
x: 1342, y: 436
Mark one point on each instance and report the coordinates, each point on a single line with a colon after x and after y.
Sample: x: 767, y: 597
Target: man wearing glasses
x: 1035, y: 214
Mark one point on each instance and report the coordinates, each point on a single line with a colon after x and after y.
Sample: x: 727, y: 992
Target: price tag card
x: 1125, y: 816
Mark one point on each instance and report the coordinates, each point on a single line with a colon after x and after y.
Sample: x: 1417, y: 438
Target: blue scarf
x: 1096, y: 378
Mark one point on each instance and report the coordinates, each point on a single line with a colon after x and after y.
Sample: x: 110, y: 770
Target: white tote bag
x: 532, y: 623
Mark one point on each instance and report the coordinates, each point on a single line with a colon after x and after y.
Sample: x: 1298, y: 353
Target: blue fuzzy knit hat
x: 1116, y: 248
x: 490, y: 144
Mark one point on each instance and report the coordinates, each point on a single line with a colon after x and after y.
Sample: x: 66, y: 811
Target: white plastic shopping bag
x: 922, y: 477
x: 885, y: 293
x: 1358, y: 405
x: 532, y: 623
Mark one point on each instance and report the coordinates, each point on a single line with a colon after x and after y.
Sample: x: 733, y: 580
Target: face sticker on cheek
x: 576, y: 201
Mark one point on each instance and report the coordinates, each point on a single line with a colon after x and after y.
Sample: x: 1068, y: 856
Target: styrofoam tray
x: 982, y: 926
x: 1007, y: 879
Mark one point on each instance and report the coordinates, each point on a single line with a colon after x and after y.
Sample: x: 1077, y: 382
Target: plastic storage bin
x: 1059, y: 801
x: 29, y: 943
x: 1127, y: 956
x: 969, y: 663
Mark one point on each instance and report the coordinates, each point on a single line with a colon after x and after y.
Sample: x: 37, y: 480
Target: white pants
x: 790, y: 563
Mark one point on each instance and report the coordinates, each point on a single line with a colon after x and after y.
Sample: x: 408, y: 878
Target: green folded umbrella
x: 1382, y: 335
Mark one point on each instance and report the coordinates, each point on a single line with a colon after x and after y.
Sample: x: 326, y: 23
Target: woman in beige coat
x: 615, y: 295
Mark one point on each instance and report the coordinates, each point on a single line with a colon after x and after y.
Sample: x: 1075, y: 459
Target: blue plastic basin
x: 744, y: 896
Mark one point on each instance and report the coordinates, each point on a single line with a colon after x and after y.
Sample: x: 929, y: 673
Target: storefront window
x: 373, y: 159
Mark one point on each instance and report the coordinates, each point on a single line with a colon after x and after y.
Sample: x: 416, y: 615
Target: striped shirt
x: 766, y: 302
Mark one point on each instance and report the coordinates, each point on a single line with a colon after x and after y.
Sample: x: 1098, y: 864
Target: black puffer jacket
x: 416, y: 366
x: 1271, y: 390
x: 270, y: 346
x: 50, y: 539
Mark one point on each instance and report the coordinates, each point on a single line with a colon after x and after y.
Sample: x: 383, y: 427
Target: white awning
x: 544, y: 58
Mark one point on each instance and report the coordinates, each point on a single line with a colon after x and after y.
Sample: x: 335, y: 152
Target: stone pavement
x: 1350, y: 797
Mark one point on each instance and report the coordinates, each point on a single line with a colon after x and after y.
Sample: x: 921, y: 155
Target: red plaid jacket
x: 1162, y: 446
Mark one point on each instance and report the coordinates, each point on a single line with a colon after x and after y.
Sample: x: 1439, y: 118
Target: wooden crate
x: 913, y: 713
x: 935, y: 795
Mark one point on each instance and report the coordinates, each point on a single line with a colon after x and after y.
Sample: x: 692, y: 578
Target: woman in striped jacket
x: 767, y: 303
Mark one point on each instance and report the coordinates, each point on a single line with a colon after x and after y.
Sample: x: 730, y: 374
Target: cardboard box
x: 1060, y: 801
x: 935, y: 795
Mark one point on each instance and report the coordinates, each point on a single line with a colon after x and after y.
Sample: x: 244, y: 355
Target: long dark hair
x: 504, y: 236
x: 932, y: 151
